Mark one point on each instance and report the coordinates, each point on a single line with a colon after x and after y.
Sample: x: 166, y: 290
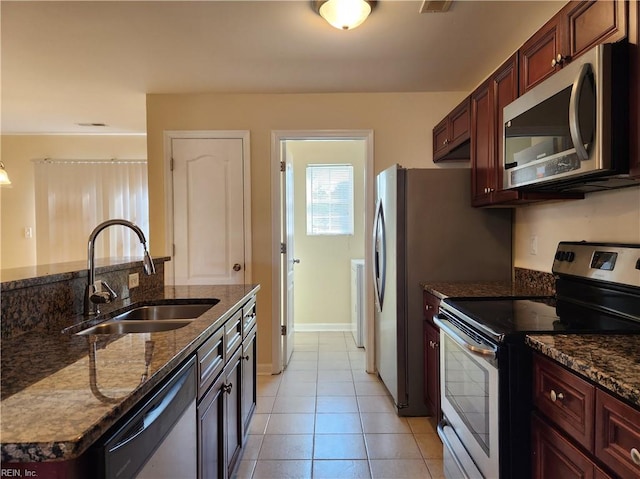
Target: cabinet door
x: 617, y: 435
x: 482, y: 164
x: 459, y: 124
x: 249, y: 386
x: 432, y: 369
x: 591, y: 22
x: 210, y: 432
x: 441, y: 139
x: 505, y: 90
x: 431, y: 305
x: 554, y: 457
x: 538, y: 53
x: 634, y: 63
x: 232, y: 411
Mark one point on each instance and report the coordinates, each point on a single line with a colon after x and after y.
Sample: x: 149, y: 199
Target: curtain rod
x: 86, y: 161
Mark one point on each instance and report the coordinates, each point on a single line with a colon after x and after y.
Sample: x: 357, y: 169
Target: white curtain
x: 74, y: 196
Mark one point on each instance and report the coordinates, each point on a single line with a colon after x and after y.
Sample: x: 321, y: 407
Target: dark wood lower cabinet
x: 225, y: 408
x: 554, y: 457
x: 432, y: 369
x: 233, y: 411
x: 210, y: 440
x: 249, y: 383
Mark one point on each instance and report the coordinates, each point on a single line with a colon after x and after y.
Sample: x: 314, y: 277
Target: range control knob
x: 559, y: 255
x: 638, y: 264
x: 570, y: 256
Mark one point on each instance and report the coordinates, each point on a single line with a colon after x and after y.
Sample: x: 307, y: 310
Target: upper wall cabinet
x: 634, y: 52
x: 487, y: 103
x: 575, y: 29
x: 451, y: 135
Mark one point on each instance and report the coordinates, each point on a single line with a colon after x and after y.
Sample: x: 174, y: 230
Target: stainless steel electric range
x: 486, y: 378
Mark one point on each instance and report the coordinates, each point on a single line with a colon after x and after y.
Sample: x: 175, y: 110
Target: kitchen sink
x: 152, y: 318
x: 165, y: 312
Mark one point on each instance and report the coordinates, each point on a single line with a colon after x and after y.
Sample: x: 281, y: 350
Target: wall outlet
x: 134, y: 280
x: 533, y: 245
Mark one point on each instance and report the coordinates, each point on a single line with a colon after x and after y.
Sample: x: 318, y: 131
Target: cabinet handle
x: 635, y: 456
x: 445, y: 142
x: 237, y: 267
x: 428, y: 307
x: 559, y: 60
x: 556, y: 396
x: 226, y: 388
x: 246, y: 358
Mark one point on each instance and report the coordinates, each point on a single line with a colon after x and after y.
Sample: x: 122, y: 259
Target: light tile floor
x: 325, y: 417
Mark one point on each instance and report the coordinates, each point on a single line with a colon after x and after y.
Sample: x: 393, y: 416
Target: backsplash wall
x: 611, y: 216
x: 56, y: 301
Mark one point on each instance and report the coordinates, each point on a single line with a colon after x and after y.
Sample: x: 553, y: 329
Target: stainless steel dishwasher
x: 158, y: 439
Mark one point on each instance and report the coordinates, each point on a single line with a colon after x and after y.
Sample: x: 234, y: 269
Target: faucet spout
x: 100, y: 292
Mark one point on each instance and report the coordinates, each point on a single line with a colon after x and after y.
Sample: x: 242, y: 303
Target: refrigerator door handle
x: 379, y: 256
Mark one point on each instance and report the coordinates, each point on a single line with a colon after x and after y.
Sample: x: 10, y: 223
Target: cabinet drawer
x: 565, y: 399
x: 617, y: 435
x: 554, y: 457
x: 210, y: 361
x: 249, y: 317
x: 233, y: 333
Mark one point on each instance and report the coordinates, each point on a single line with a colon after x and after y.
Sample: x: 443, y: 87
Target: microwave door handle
x: 574, y: 127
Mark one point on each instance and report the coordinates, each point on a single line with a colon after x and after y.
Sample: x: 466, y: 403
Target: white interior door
x: 208, y: 211
x: 289, y: 260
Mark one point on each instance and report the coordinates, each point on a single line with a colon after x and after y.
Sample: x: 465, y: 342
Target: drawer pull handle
x: 635, y: 456
x: 556, y: 396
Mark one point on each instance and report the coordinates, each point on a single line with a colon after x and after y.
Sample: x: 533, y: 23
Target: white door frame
x: 276, y: 220
x: 243, y: 135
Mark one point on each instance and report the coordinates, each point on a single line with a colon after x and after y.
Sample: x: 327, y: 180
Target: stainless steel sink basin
x: 135, y: 326
x: 165, y: 312
x: 153, y: 318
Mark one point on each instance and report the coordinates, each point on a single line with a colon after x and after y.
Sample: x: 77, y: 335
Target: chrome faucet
x: 99, y: 292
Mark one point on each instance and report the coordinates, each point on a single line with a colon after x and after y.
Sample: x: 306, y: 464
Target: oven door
x: 469, y: 393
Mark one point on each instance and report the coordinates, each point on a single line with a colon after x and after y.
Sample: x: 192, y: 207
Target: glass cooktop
x: 503, y: 317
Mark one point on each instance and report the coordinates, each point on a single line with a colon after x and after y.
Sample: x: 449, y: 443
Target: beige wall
x: 323, y: 276
x: 402, y: 124
x: 612, y: 216
x: 18, y: 202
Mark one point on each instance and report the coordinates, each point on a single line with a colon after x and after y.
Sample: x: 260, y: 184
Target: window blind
x: 329, y: 199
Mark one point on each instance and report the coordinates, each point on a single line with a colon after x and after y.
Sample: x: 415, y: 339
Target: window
x: 74, y: 196
x: 329, y: 200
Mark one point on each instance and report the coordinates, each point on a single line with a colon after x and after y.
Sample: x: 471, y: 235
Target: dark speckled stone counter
x: 57, y: 399
x: 611, y: 361
x: 526, y: 283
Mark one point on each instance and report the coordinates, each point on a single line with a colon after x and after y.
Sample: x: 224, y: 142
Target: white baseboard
x: 321, y: 327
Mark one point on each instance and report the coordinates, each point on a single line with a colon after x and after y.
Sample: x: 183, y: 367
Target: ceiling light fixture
x: 344, y: 14
x: 4, y: 177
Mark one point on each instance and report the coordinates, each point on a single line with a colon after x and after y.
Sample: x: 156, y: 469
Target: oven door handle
x: 463, y: 339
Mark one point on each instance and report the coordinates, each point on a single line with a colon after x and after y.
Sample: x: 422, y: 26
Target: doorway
x: 299, y: 158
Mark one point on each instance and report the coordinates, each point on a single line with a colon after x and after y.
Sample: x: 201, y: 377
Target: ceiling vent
x: 435, y: 6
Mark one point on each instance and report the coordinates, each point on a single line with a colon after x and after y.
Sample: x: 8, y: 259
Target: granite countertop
x: 57, y: 399
x: 612, y: 361
x: 470, y: 289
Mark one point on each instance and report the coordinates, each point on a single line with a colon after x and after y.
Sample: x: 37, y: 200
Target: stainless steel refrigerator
x: 425, y: 230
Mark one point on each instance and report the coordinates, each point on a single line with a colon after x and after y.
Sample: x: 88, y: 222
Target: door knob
x: 237, y: 267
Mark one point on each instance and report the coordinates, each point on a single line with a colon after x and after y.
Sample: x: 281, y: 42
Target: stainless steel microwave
x: 570, y: 133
